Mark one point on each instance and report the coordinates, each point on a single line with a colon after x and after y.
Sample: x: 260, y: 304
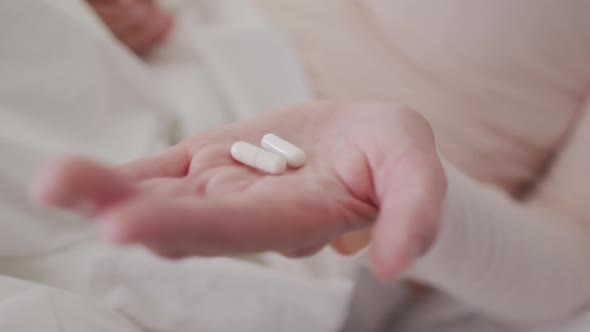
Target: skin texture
x: 371, y: 166
x: 139, y: 24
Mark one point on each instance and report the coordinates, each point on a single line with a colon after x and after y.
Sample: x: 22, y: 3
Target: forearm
x: 511, y: 262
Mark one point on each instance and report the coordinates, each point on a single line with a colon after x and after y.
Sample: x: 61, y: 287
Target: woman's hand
x: 139, y: 24
x: 369, y: 166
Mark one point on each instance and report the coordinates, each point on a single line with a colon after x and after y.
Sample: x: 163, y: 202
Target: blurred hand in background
x: 139, y: 24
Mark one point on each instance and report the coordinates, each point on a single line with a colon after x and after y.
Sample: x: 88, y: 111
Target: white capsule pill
x: 294, y: 155
x: 258, y: 158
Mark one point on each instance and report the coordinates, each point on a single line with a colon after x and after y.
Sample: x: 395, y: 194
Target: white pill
x: 294, y: 155
x: 258, y: 158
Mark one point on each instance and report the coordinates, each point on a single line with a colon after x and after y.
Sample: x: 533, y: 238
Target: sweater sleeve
x: 523, y: 262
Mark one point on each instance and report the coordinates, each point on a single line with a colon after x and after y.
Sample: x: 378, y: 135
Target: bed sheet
x: 67, y: 86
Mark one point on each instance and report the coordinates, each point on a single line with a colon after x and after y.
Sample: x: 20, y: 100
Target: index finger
x: 172, y: 162
x: 288, y: 213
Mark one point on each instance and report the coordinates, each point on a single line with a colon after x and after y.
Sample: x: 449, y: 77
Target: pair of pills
x: 274, y: 156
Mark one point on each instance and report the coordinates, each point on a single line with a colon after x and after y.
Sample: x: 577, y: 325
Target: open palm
x: 367, y: 164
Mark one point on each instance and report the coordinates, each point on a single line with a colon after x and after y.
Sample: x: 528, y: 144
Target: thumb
x: 411, y: 195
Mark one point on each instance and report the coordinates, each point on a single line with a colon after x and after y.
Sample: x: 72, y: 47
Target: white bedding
x: 67, y: 86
